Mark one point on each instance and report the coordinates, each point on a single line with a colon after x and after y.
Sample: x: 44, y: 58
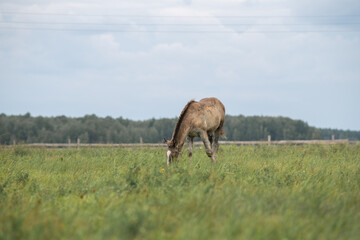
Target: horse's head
x: 172, y: 152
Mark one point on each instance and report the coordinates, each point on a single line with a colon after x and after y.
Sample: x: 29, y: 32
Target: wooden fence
x: 269, y: 142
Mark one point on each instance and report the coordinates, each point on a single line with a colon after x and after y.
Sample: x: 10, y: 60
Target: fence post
x: 14, y: 142
x: 141, y: 140
x: 69, y: 142
x: 269, y: 139
x: 332, y: 137
x: 78, y: 142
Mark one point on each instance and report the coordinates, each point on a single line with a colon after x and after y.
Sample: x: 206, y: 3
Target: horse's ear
x: 166, y: 141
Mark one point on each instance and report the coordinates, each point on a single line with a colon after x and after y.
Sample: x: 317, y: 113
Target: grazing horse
x: 202, y: 119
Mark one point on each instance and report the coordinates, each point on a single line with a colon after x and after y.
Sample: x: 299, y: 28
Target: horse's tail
x: 221, y: 130
x: 222, y: 133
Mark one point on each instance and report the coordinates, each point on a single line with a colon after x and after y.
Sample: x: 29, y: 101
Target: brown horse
x: 202, y: 119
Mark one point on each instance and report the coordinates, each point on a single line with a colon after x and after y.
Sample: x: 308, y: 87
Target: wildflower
x: 162, y: 170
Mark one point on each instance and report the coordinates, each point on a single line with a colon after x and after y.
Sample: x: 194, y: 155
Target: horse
x: 204, y: 119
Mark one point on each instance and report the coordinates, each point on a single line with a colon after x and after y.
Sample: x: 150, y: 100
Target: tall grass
x: 252, y: 192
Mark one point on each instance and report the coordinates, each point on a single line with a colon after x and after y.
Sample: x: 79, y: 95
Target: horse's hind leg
x: 215, y: 146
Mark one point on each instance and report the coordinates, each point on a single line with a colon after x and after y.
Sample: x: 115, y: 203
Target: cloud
x: 153, y: 74
x: 325, y: 7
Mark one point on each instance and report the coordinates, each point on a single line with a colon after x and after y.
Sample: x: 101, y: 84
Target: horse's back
x: 208, y: 113
x: 213, y: 106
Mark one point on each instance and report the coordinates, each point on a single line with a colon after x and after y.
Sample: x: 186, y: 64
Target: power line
x: 178, y: 24
x: 27, y: 25
x: 177, y: 31
x: 181, y: 16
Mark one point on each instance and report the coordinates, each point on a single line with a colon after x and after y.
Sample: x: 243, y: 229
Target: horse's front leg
x: 190, y: 148
x: 207, y: 144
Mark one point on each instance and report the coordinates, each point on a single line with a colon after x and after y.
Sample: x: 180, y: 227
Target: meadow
x: 252, y: 192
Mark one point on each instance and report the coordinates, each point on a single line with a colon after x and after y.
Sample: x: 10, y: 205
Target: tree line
x: 94, y: 129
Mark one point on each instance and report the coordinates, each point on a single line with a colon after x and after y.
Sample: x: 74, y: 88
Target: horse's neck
x: 181, y: 136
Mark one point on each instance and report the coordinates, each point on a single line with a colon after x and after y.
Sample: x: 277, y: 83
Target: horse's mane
x: 181, y: 118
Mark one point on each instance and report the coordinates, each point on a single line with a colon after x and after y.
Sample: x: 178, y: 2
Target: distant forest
x: 93, y: 129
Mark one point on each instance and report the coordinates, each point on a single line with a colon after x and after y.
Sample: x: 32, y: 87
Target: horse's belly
x: 194, y: 133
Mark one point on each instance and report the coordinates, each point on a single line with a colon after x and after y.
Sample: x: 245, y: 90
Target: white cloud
x: 130, y: 74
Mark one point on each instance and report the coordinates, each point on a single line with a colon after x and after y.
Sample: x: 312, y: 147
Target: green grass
x: 252, y: 192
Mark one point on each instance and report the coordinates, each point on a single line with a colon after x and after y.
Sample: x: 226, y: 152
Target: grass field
x: 252, y: 192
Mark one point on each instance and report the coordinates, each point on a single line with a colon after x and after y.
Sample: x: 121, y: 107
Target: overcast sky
x: 143, y: 59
